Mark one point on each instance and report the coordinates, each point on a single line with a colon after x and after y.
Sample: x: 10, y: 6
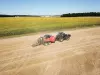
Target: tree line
x: 87, y: 14
x: 1, y: 15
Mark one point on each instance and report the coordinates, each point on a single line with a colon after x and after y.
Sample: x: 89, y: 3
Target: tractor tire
x: 45, y: 43
x: 49, y: 43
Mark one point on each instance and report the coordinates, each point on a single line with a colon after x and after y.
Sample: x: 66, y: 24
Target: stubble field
x: 78, y: 56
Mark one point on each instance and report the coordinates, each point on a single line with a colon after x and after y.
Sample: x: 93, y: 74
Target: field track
x: 78, y: 56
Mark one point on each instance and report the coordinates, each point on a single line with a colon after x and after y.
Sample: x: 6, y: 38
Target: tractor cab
x: 47, y: 36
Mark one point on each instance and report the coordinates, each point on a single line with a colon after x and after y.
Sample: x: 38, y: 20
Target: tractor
x: 45, y: 40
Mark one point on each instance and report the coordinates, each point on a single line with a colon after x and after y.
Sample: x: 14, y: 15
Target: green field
x: 21, y: 25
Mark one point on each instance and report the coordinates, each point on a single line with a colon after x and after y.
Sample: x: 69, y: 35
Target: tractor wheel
x: 45, y: 43
x: 49, y: 43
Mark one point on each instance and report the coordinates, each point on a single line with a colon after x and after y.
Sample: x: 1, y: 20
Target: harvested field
x: 78, y: 56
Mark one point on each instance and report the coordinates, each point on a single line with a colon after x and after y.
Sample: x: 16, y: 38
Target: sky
x: 48, y: 7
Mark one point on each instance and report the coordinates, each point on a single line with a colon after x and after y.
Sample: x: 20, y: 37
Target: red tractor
x: 45, y: 40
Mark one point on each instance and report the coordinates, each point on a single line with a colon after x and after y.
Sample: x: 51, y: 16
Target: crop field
x: 22, y: 25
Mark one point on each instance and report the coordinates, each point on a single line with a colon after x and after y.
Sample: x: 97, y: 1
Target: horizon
x: 48, y: 7
x: 47, y: 15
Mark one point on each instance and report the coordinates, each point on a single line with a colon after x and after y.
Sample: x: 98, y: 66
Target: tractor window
x: 47, y: 36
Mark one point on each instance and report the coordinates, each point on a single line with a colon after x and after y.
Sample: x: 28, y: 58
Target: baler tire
x: 61, y: 40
